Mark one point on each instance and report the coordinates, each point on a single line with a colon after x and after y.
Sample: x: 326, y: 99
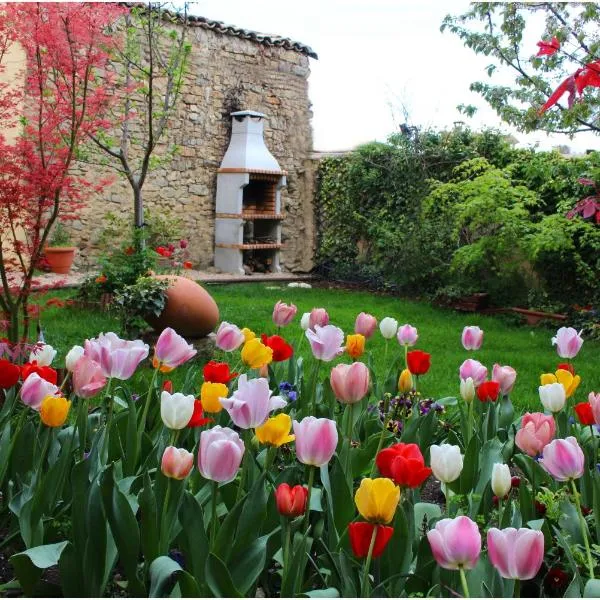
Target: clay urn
x: 190, y: 309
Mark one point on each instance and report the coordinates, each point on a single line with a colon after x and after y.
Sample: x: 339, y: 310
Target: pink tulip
x: 563, y: 459
x: 283, y: 313
x: 118, y: 358
x: 407, y: 335
x: 250, y: 405
x: 35, y: 389
x: 568, y: 342
x: 350, y: 383
x: 88, y: 378
x: 229, y: 337
x: 220, y: 454
x: 472, y: 337
x: 594, y: 400
x: 326, y: 342
x: 473, y: 369
x: 365, y: 324
x: 537, y: 430
x: 318, y: 316
x: 171, y: 350
x: 516, y: 553
x: 316, y: 440
x: 505, y: 376
x: 455, y: 543
x: 176, y: 463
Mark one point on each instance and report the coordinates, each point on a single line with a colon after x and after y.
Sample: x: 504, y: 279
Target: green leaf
x: 149, y: 520
x: 424, y: 513
x: 194, y: 540
x: 246, y: 571
x: 252, y: 517
x: 219, y: 579
x: 165, y: 573
x: 592, y: 589
x: 324, y: 593
x: 28, y: 565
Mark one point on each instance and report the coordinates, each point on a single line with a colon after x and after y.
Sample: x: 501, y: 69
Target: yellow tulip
x: 355, y: 344
x: 377, y: 499
x: 565, y: 378
x: 248, y: 334
x: 210, y: 394
x: 255, y: 354
x: 276, y: 431
x: 405, y: 382
x: 54, y: 411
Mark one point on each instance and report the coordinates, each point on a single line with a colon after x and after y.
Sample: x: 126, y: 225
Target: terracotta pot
x: 190, y: 309
x: 60, y: 258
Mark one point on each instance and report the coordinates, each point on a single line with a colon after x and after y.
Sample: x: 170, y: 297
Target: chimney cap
x: 247, y: 113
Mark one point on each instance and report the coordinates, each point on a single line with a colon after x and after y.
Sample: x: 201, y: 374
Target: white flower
x: 43, y: 355
x: 388, y: 327
x: 446, y: 462
x: 73, y: 355
x: 553, y: 396
x: 304, y: 321
x: 501, y: 480
x: 467, y: 389
x: 176, y: 410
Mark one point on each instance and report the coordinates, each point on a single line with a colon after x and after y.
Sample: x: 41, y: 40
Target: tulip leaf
x: 226, y: 533
x: 194, y: 541
x: 566, y: 546
x: 324, y: 593
x: 592, y: 589
x: 165, y: 573
x: 596, y: 502
x: 219, y: 579
x: 5, y: 450
x: 246, y: 571
x: 424, y: 513
x: 252, y: 517
x: 28, y: 565
x: 448, y: 401
x: 343, y: 504
x: 149, y: 520
x: 468, y: 477
x: 300, y: 553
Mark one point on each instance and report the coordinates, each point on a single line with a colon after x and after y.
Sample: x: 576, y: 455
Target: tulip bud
x: 44, y: 355
x: 54, y: 411
x: 305, y: 321
x: 388, y: 327
x: 291, y: 501
x: 405, y: 381
x: 455, y: 543
x: 553, y: 396
x: 365, y: 324
x: 446, y: 462
x: 318, y: 316
x: 176, y: 410
x: 568, y: 342
x: 407, y: 335
x: 176, y: 462
x: 472, y: 338
x: 73, y: 355
x: 501, y: 480
x: 467, y: 389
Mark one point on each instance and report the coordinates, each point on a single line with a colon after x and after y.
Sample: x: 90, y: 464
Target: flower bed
x: 273, y: 473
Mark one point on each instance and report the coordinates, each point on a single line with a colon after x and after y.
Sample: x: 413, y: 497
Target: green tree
x: 498, y: 30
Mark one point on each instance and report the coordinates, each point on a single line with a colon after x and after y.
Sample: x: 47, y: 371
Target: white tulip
x: 467, y: 389
x: 553, y: 396
x: 73, y: 355
x: 44, y: 355
x: 501, y: 480
x: 388, y: 327
x: 446, y: 462
x: 304, y: 321
x: 176, y: 410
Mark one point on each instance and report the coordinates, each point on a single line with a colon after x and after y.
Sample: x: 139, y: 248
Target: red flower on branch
x: 47, y: 373
x: 164, y: 252
x: 360, y: 534
x: 418, y: 361
x: 9, y: 374
x: 588, y: 76
x: 488, y: 391
x: 404, y: 464
x: 281, y: 349
x: 217, y: 372
x: 548, y: 48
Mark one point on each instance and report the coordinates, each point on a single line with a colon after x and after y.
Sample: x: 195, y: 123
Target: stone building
x: 229, y: 69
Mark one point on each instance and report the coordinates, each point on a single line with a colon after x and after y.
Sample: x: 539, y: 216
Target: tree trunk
x: 138, y: 216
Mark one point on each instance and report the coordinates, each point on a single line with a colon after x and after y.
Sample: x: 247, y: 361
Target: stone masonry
x: 226, y: 72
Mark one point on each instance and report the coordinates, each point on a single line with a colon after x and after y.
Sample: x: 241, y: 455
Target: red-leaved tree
x: 64, y: 98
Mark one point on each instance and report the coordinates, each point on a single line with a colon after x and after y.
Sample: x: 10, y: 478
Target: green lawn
x: 528, y: 350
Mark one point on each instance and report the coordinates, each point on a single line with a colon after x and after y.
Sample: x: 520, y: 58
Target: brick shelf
x: 250, y: 246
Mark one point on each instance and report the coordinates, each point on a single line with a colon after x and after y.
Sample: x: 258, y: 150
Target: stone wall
x: 225, y: 73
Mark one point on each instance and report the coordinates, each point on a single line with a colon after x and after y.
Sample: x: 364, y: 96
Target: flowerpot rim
x: 60, y: 248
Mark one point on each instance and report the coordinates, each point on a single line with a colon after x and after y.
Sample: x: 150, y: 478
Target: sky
x: 381, y: 63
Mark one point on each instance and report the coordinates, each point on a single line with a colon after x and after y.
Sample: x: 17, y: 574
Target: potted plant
x: 59, y: 252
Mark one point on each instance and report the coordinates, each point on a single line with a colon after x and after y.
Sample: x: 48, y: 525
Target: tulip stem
x: 386, y: 420
x: 64, y: 381
x: 517, y: 589
x: 245, y: 460
x: 105, y: 448
x: 164, y: 539
x: 500, y: 511
x: 311, y: 478
x: 213, y: 520
x: 83, y: 435
x: 470, y: 423
x: 583, y: 530
x: 44, y: 452
x: 348, y: 465
x: 147, y: 406
x: 365, y: 592
x: 286, y: 546
x: 313, y: 398
x: 463, y: 581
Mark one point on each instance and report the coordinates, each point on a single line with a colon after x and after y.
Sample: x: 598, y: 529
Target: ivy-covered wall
x: 457, y: 212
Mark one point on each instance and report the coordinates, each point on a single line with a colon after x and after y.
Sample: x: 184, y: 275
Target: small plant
x: 60, y: 237
x: 147, y: 296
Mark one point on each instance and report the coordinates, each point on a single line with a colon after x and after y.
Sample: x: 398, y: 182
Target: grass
x: 528, y: 350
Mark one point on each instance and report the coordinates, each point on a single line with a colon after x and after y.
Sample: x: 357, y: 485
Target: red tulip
x: 9, y: 374
x: 404, y: 464
x: 216, y: 372
x: 47, y: 373
x: 168, y: 386
x: 360, y: 534
x: 197, y: 420
x: 548, y: 48
x: 281, y: 349
x: 291, y: 501
x: 584, y: 413
x: 488, y: 391
x: 418, y: 362
x: 567, y: 367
